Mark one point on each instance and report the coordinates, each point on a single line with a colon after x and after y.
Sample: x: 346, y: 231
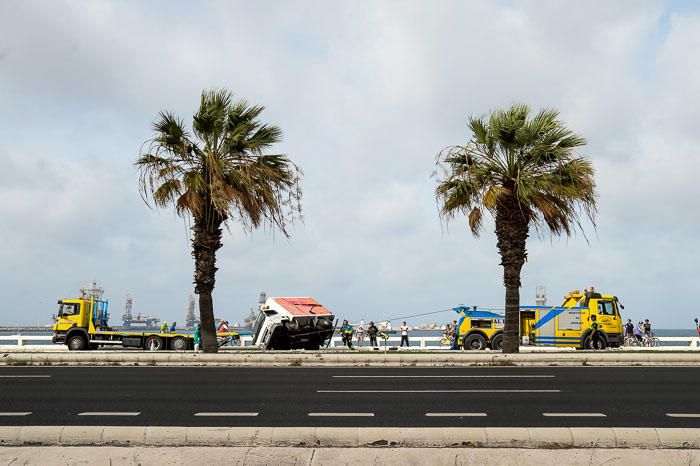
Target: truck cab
x: 292, y: 323
x: 79, y: 317
x: 570, y: 325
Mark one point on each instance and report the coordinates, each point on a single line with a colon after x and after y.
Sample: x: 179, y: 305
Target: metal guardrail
x: 433, y: 342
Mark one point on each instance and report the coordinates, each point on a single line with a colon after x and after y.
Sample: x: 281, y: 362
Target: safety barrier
x: 428, y: 343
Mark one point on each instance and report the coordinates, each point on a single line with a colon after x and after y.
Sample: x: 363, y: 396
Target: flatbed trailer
x: 82, y: 324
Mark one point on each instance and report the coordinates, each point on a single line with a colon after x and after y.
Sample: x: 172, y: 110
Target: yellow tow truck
x: 571, y: 324
x: 83, y: 323
x: 568, y: 325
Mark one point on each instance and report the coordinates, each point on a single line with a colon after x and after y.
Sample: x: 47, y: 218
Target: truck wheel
x: 77, y: 343
x: 179, y: 344
x: 598, y: 343
x: 474, y: 342
x: 153, y: 343
x: 497, y: 342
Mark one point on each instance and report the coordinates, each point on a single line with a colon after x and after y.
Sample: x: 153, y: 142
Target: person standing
x: 404, y: 334
x: 594, y: 332
x: 455, y: 335
x: 360, y: 334
x: 346, y: 334
x: 172, y: 327
x: 372, y: 331
x: 164, y: 327
x: 629, y: 329
x: 197, y: 337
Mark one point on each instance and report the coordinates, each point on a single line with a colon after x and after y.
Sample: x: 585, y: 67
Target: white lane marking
x: 226, y: 414
x: 27, y: 413
x: 574, y: 415
x: 682, y: 415
x: 109, y: 413
x: 455, y: 414
x: 438, y: 391
x: 24, y: 376
x: 341, y: 414
x: 442, y: 376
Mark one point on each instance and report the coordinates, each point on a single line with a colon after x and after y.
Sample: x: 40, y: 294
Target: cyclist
x: 346, y: 334
x: 638, y: 332
x: 594, y: 332
x: 647, y: 328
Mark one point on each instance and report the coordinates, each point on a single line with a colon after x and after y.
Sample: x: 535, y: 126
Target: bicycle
x: 650, y: 341
x: 631, y: 340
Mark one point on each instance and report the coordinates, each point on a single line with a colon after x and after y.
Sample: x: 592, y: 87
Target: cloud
x: 366, y: 96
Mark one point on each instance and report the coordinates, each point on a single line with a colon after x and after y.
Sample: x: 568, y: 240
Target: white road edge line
x: 682, y: 415
x: 442, y: 376
x: 574, y: 415
x: 455, y: 414
x: 226, y: 414
x: 24, y: 376
x: 341, y: 414
x: 27, y: 413
x: 109, y: 413
x: 438, y: 391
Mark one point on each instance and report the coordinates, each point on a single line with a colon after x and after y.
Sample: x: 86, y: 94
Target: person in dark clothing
x: 647, y: 328
x: 372, y: 331
x: 594, y: 332
x: 629, y: 328
x: 404, y: 334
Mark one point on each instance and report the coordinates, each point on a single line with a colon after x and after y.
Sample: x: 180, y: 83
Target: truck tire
x: 599, y: 343
x: 497, y: 342
x: 474, y: 342
x: 179, y: 344
x: 76, y: 343
x: 153, y: 343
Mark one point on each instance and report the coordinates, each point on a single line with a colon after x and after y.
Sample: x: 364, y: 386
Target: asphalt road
x: 372, y: 397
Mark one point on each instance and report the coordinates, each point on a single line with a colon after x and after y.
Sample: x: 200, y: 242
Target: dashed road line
x: 109, y: 413
x: 16, y: 413
x: 455, y: 414
x: 438, y: 391
x: 24, y: 376
x: 682, y: 415
x: 341, y: 414
x: 216, y: 414
x: 574, y: 415
x: 443, y: 376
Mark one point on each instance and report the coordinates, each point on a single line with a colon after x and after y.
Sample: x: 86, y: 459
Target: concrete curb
x: 321, y: 359
x: 428, y: 437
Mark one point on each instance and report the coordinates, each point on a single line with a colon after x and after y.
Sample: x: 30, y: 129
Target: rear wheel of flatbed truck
x: 153, y: 343
x: 179, y: 344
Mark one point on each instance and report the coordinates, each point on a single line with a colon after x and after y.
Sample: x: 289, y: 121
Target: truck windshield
x: 68, y: 310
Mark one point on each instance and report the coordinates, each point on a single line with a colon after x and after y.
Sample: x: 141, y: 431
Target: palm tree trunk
x: 206, y: 241
x: 512, y: 233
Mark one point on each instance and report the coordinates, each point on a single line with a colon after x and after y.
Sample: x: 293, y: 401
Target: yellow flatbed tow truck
x: 82, y: 324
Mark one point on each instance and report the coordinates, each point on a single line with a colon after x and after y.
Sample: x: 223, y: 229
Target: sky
x: 366, y: 93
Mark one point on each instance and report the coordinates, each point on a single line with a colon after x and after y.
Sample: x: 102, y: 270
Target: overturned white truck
x: 292, y: 323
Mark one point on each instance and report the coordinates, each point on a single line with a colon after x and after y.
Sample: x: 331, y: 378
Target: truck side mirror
x: 60, y: 301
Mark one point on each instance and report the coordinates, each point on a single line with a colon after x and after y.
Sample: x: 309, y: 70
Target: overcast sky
x: 366, y: 92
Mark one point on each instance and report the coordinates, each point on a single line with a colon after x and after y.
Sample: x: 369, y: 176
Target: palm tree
x: 218, y: 174
x: 523, y: 170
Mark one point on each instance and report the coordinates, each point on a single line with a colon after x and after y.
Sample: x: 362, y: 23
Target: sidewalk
x: 112, y: 456
x: 348, y: 358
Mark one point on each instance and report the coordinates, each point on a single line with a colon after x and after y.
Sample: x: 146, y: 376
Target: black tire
x: 76, y: 343
x: 155, y: 341
x: 474, y: 342
x: 599, y: 344
x: 497, y: 342
x: 179, y: 344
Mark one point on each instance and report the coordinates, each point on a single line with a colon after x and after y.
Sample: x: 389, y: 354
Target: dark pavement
x: 397, y: 397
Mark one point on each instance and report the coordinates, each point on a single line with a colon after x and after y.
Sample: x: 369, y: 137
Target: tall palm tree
x: 219, y: 173
x: 523, y: 170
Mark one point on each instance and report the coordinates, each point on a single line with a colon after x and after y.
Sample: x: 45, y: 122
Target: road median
x: 343, y: 358
x: 354, y: 437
